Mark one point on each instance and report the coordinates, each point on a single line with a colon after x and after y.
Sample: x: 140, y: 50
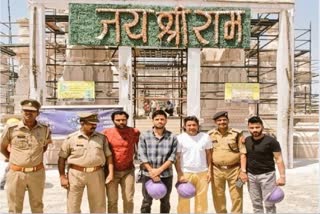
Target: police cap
x: 220, y: 114
x: 30, y: 104
x: 89, y: 117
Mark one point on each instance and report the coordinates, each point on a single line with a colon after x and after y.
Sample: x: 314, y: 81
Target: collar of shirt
x: 257, y: 141
x: 22, y: 125
x: 164, y: 135
x: 229, y: 131
x: 124, y: 130
x: 81, y: 134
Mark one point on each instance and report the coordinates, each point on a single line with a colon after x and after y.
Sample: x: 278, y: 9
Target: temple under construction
x: 36, y: 54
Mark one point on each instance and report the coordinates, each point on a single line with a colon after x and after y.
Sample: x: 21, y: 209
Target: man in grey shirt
x: 157, y: 152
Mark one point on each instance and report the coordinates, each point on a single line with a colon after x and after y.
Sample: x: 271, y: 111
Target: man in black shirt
x: 262, y: 153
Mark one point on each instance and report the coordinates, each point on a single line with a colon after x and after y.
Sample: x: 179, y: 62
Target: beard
x: 256, y: 134
x: 122, y: 126
x: 193, y: 132
x: 159, y: 126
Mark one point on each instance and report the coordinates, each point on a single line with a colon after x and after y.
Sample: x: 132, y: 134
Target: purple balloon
x: 156, y: 190
x: 275, y: 196
x: 186, y: 190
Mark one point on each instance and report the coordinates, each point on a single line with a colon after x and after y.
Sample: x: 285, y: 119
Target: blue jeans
x: 147, y: 200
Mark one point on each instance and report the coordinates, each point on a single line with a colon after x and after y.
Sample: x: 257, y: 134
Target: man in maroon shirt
x: 122, y: 141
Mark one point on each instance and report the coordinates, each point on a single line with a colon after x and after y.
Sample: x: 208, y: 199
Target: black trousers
x: 147, y: 200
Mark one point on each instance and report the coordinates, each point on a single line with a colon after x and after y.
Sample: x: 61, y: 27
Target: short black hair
x: 159, y: 112
x: 255, y: 119
x: 120, y: 112
x: 190, y: 118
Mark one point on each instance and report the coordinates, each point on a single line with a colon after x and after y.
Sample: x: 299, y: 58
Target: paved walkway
x: 302, y: 193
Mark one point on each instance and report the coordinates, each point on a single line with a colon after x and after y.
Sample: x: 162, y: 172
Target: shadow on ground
x: 48, y: 185
x: 304, y: 162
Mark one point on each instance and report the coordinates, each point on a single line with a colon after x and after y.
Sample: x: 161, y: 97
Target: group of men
x: 96, y: 160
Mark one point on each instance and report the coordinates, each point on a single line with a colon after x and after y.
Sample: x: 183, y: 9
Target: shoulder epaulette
x: 12, y: 125
x: 238, y: 131
x: 211, y: 131
x: 43, y: 124
x: 100, y: 134
x: 72, y: 134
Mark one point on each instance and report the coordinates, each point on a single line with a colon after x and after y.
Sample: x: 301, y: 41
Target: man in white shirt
x: 193, y: 164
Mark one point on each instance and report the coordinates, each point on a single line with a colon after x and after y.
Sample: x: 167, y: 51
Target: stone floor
x: 302, y: 193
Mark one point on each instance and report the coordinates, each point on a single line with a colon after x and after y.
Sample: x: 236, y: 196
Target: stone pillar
x: 23, y: 58
x: 37, y: 53
x: 33, y: 41
x: 252, y: 109
x: 285, y: 86
x: 193, y: 89
x: 41, y: 54
x: 125, y: 81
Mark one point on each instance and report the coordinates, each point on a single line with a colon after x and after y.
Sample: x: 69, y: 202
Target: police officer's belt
x: 26, y: 169
x: 226, y: 166
x: 85, y: 169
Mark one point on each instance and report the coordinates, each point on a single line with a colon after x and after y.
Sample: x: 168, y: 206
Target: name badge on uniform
x: 21, y: 136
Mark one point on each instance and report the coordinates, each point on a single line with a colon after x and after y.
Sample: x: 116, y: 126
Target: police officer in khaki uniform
x: 86, y: 152
x: 229, y: 164
x: 28, y: 140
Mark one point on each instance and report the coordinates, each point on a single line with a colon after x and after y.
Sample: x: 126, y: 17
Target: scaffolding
x: 260, y: 66
x: 7, y: 67
x: 8, y: 77
x: 156, y: 71
x: 60, y: 59
x: 260, y: 60
x: 256, y: 64
x: 159, y: 76
x: 306, y: 100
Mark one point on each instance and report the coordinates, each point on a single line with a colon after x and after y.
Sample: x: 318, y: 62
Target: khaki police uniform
x: 26, y: 164
x: 226, y: 168
x: 86, y: 156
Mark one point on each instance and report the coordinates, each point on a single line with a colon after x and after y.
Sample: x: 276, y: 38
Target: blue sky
x: 306, y: 12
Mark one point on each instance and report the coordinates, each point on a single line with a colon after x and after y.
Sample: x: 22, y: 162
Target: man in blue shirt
x: 157, y: 152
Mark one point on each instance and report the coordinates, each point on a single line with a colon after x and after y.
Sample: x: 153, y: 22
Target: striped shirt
x: 156, y: 151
